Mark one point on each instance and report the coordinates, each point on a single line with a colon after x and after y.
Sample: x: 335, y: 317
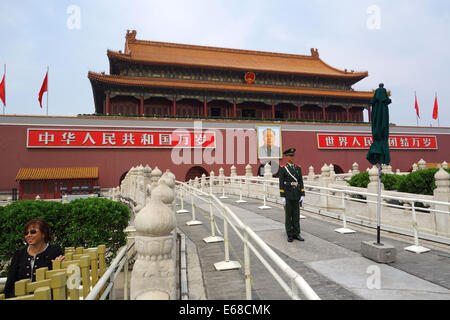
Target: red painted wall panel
x: 113, y: 163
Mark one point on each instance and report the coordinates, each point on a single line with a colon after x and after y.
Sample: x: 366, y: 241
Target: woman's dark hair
x: 43, y: 227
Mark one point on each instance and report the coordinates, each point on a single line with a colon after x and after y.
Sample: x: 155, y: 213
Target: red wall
x: 113, y: 163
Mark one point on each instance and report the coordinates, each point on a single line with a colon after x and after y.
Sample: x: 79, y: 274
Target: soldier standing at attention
x: 292, y: 193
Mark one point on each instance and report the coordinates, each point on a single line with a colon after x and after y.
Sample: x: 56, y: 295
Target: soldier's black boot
x: 299, y: 237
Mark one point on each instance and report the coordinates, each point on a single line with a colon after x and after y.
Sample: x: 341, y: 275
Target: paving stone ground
x: 325, y: 260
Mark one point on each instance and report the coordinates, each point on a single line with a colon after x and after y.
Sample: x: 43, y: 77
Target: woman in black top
x: 39, y: 253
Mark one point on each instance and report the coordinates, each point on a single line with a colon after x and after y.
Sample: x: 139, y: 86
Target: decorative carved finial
x: 131, y: 35
x: 314, y: 53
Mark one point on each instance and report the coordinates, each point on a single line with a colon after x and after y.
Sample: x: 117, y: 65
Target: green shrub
x: 418, y: 182
x: 79, y: 223
x: 360, y: 180
x: 392, y: 181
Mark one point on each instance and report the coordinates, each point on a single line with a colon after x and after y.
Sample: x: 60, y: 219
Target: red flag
x: 435, y: 109
x: 43, y: 89
x: 417, y: 107
x: 2, y: 91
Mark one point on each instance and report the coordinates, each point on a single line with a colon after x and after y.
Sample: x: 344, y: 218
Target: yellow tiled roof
x: 205, y: 56
x: 57, y: 173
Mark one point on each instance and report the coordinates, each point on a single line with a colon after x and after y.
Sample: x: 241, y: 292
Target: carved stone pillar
x: 267, y: 171
x: 422, y: 164
x: 355, y: 168
x: 373, y: 188
x: 324, y: 181
x: 153, y: 276
x: 156, y: 174
x: 311, y: 174
x: 442, y: 193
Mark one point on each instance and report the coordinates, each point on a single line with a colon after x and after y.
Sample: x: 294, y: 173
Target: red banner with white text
x: 363, y: 141
x: 76, y: 138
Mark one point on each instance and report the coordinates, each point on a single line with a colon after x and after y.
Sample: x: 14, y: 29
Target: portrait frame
x: 261, y: 145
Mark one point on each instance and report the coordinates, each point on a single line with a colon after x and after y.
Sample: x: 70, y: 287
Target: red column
x: 299, y: 111
x: 370, y: 113
x: 205, y: 108
x: 234, y: 108
x: 174, y: 106
x: 273, y: 110
x: 141, y: 106
x: 20, y: 191
x: 324, y: 112
x: 108, y: 104
x: 347, y: 109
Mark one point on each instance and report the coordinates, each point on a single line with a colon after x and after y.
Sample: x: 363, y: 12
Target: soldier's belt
x: 291, y: 183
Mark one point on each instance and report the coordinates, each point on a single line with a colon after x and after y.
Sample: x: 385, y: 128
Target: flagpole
x: 4, y: 107
x: 47, y: 90
x: 438, y: 111
x: 417, y: 117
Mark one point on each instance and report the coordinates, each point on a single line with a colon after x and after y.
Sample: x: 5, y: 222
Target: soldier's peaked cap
x: 289, y: 152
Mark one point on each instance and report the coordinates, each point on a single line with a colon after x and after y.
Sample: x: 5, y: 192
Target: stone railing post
x: 196, y: 183
x: 324, y: 181
x: 415, y: 167
x: 422, y: 164
x: 311, y: 174
x: 332, y: 173
x: 233, y: 171
x: 212, y: 179
x: 444, y: 165
x: 442, y: 193
x: 153, y: 276
x: 147, y: 175
x: 268, y: 171
x: 140, y: 188
x: 233, y: 180
x: 156, y: 174
x: 355, y: 168
x: 373, y: 188
x: 132, y: 188
x: 248, y: 171
x: 248, y: 174
x: 222, y: 186
x: 268, y: 175
x: 203, y: 182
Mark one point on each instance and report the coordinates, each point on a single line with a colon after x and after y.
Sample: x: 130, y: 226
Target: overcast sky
x: 404, y: 44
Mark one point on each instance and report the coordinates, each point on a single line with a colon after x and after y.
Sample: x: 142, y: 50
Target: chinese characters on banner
x: 75, y: 138
x: 349, y: 141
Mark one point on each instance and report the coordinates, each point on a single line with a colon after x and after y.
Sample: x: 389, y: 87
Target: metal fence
x: 267, y: 190
x: 251, y: 242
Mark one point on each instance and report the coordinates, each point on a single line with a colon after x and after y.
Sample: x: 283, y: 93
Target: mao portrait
x: 269, y: 142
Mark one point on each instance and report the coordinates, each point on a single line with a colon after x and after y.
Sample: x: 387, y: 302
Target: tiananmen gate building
x: 196, y: 109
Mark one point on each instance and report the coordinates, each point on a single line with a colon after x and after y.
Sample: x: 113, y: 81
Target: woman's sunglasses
x: 32, y: 231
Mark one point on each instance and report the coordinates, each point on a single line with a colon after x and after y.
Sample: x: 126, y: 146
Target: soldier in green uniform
x: 292, y: 193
